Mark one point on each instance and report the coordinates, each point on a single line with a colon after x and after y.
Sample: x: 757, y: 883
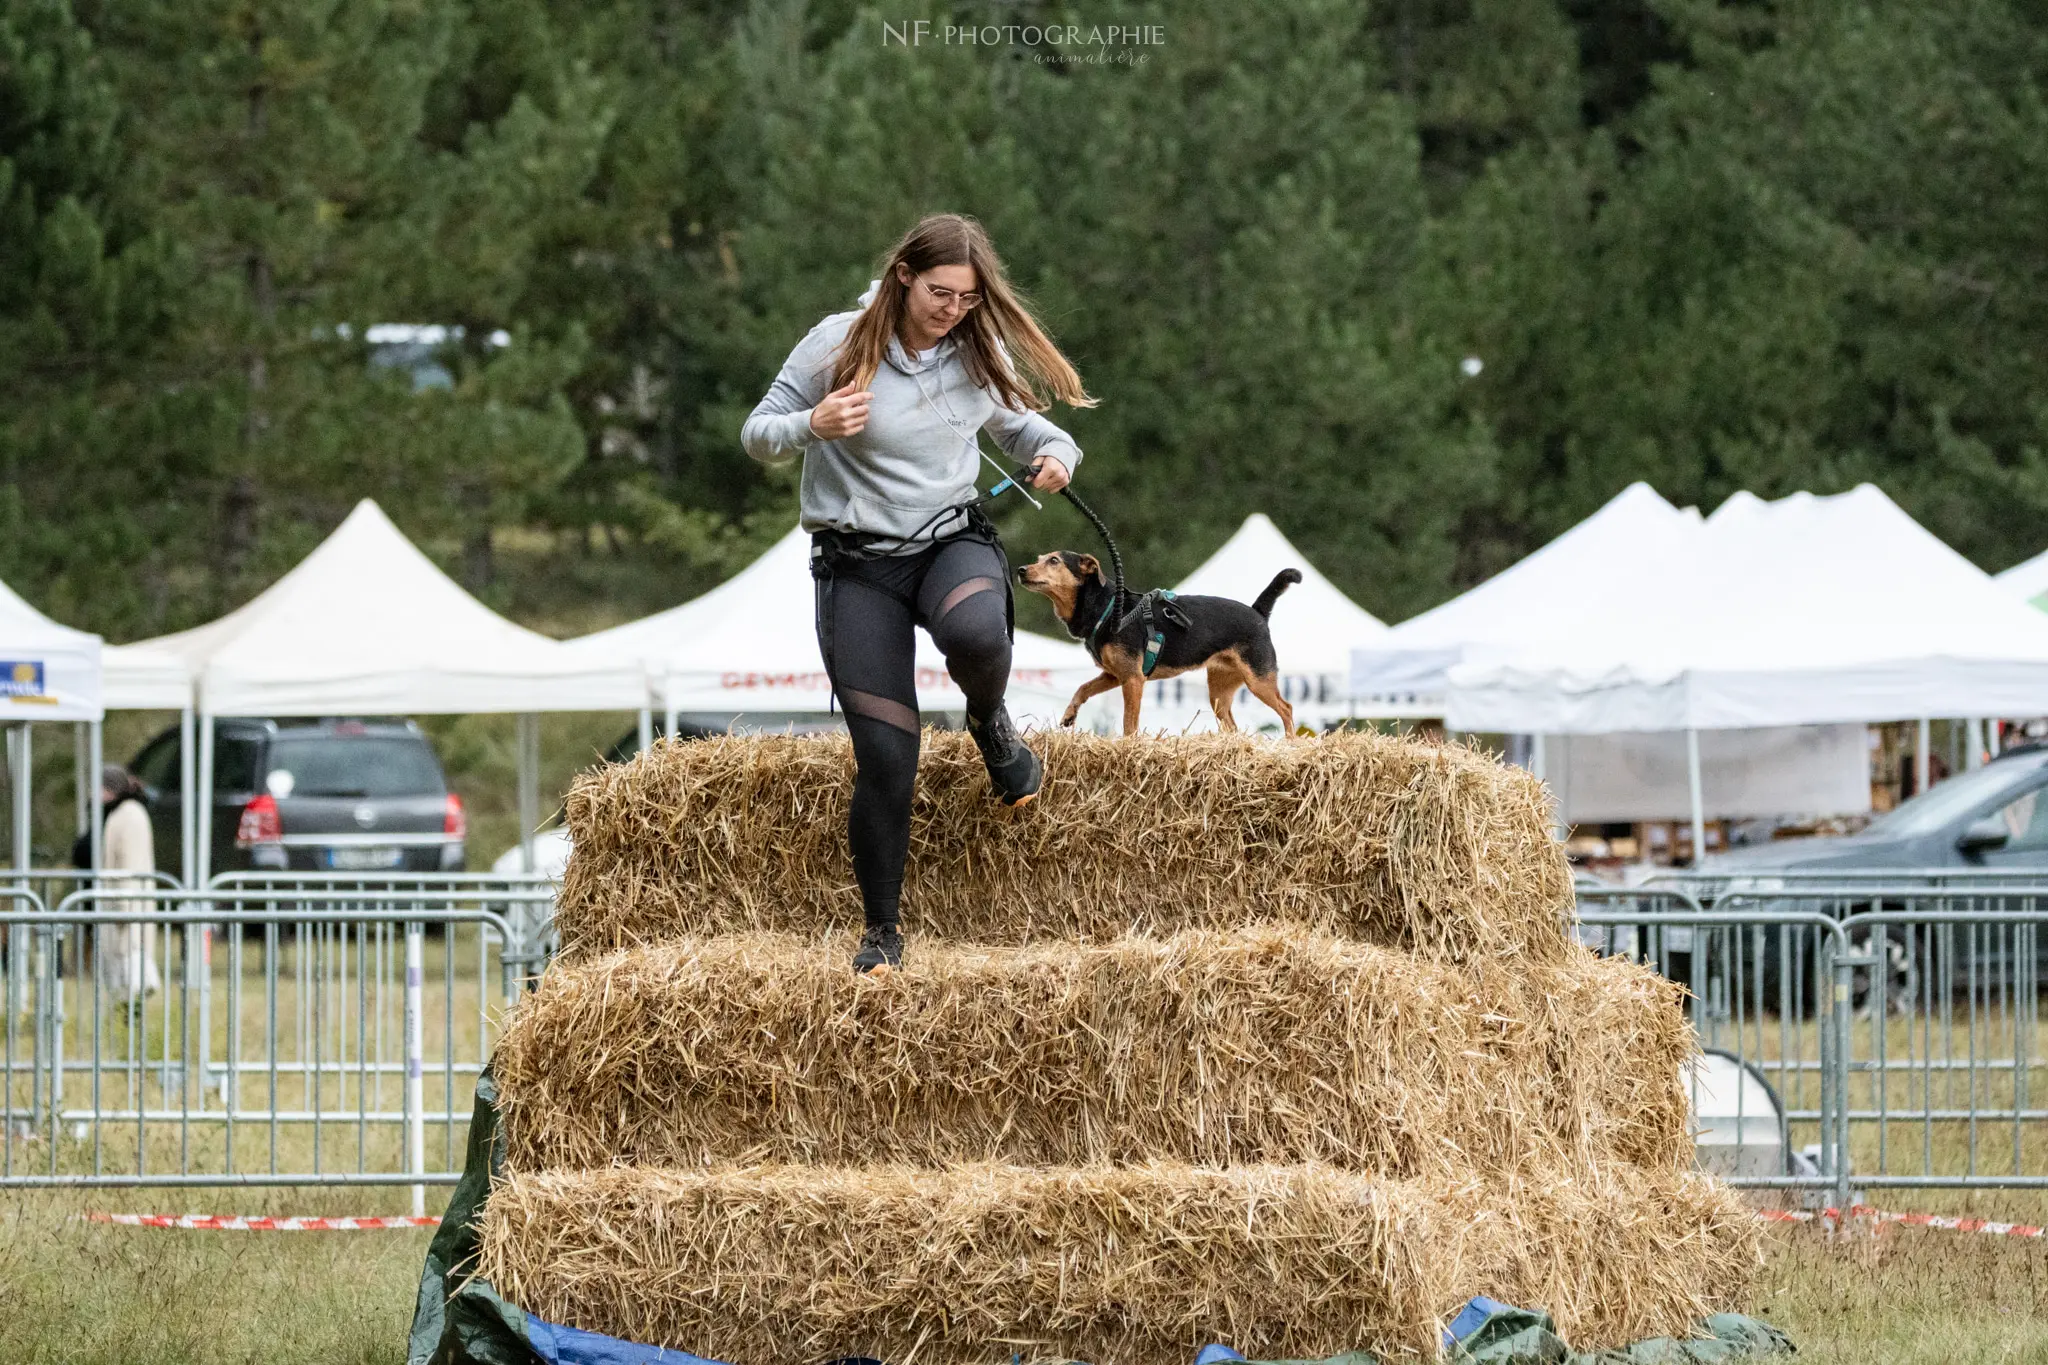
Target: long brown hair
x: 988, y: 336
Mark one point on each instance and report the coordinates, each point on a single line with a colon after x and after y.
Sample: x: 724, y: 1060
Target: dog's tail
x: 1282, y: 581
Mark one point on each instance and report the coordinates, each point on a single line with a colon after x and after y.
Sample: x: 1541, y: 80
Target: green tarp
x: 476, y: 1326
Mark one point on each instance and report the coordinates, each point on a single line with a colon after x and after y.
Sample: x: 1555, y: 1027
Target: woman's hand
x: 1048, y: 474
x: 843, y: 412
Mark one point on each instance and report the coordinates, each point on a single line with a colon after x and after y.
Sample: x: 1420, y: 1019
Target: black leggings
x: 957, y: 588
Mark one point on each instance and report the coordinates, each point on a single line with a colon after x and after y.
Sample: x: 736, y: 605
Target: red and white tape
x: 213, y: 1223
x: 1911, y: 1220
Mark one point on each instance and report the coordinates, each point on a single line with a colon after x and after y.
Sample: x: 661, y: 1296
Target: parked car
x: 313, y: 795
x: 1991, y: 819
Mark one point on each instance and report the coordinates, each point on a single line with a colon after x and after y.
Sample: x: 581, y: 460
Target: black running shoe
x: 1013, y: 770
x: 881, y: 948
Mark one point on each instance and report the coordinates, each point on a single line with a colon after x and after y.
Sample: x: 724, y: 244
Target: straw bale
x: 1431, y: 847
x: 1617, y: 1037
x: 767, y: 1265
x: 1264, y: 1045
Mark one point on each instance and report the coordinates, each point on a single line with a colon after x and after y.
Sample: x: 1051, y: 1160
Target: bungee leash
x: 1159, y: 600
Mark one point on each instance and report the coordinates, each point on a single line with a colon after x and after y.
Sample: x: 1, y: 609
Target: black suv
x: 314, y: 796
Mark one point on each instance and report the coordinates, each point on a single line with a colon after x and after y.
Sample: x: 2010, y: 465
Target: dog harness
x: 1170, y: 613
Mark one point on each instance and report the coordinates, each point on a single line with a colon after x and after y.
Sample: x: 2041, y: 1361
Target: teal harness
x: 1155, y: 633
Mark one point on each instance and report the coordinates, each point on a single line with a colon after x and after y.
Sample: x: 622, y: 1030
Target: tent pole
x: 1973, y: 743
x: 1923, y: 742
x: 198, y: 937
x: 21, y: 761
x: 202, y: 850
x: 668, y: 706
x: 646, y: 728
x: 1991, y: 739
x: 188, y: 796
x: 95, y: 802
x: 1539, y: 767
x: 1699, y: 804
x: 18, y: 935
x: 529, y: 786
x: 81, y: 802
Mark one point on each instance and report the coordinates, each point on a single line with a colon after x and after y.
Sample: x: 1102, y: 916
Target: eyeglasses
x: 946, y: 297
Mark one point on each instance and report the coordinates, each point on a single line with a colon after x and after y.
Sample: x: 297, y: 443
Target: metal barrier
x: 292, y: 1028
x: 277, y: 1033
x: 527, y: 902
x: 1897, y: 1012
x: 1751, y: 981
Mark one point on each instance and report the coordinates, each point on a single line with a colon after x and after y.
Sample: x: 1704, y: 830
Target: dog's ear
x: 1091, y: 566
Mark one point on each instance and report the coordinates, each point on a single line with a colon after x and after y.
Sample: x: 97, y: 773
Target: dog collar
x: 1094, y: 640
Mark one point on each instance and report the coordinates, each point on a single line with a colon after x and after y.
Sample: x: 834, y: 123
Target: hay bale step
x: 765, y: 1266
x: 1264, y: 1045
x: 1429, y: 847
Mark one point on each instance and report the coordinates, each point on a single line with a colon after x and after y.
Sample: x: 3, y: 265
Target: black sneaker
x: 881, y: 948
x: 1013, y: 770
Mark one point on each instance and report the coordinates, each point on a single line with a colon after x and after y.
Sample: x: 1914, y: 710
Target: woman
x: 125, y: 954
x: 885, y: 404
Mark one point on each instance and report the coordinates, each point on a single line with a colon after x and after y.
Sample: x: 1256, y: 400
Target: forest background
x: 1773, y: 245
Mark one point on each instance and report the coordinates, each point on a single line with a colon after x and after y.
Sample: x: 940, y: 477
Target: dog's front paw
x: 1067, y: 721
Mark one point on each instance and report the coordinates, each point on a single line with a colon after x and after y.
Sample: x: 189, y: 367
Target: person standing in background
x: 124, y: 955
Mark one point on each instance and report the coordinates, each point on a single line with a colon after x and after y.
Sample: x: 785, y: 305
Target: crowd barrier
x: 1894, y: 1016
x: 326, y: 1028
x: 268, y: 1029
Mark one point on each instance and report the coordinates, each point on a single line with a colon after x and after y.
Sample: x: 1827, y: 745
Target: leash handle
x: 1015, y: 481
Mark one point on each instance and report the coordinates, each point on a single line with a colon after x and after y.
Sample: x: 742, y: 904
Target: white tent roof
x: 47, y: 671
x: 144, y: 678
x: 1627, y: 548
x: 2027, y: 581
x: 1807, y: 610
x: 750, y: 645
x: 367, y: 625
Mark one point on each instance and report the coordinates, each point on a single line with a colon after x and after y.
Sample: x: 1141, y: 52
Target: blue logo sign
x: 23, y: 678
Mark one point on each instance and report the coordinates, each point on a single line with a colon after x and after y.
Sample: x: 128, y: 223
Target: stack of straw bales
x: 1284, y: 1045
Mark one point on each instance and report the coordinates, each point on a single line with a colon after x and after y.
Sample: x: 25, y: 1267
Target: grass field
x: 71, y: 1291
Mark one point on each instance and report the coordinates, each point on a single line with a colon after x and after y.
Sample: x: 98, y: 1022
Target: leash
x: 1159, y: 600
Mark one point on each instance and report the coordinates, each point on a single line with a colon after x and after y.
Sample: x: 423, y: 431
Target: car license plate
x: 357, y: 859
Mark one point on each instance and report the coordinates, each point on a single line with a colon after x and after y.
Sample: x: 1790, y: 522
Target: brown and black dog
x: 1229, y: 638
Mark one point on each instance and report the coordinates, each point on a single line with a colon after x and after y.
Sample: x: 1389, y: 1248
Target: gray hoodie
x: 918, y: 453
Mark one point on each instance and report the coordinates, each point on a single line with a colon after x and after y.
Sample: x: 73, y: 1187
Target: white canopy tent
x: 367, y: 625
x: 1315, y: 628
x: 1807, y: 610
x: 143, y: 678
x: 1637, y: 541
x: 1639, y: 550
x: 1804, y: 611
x: 750, y: 647
x: 48, y: 672
x: 1774, y: 771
